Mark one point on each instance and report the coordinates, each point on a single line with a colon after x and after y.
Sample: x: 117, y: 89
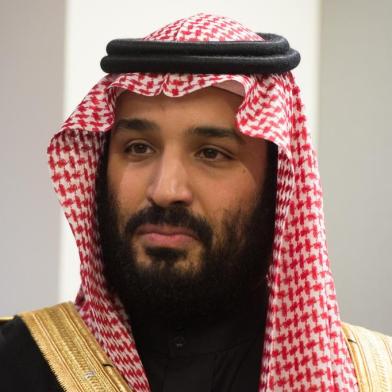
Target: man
x: 195, y: 202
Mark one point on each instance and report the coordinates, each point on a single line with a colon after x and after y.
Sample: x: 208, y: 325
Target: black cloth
x: 271, y: 55
x: 22, y: 366
x: 223, y: 357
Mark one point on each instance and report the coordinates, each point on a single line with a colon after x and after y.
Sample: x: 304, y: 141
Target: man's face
x: 183, y: 194
x: 182, y: 151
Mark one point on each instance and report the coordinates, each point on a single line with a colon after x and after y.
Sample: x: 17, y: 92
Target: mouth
x: 166, y: 236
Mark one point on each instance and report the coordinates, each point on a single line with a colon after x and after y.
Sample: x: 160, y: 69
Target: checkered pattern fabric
x: 304, y: 348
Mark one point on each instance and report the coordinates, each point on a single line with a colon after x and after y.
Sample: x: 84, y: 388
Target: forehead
x: 207, y: 104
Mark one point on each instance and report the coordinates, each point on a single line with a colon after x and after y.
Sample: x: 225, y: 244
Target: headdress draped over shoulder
x: 304, y: 348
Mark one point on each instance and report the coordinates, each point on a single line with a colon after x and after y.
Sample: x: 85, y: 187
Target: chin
x: 187, y: 267
x: 178, y: 261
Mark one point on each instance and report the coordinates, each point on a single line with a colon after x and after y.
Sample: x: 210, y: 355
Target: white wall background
x: 31, y: 100
x: 355, y: 149
x: 65, y: 42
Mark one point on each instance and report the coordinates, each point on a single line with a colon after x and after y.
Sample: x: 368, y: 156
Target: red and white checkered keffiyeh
x: 304, y: 347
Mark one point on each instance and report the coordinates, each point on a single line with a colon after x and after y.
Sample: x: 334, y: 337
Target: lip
x: 165, y: 235
x: 165, y: 230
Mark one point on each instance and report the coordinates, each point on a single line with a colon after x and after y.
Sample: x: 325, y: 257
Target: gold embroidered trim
x: 371, y: 353
x: 5, y: 319
x: 73, y: 354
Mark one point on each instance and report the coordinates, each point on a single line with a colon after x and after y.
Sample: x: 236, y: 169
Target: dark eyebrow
x: 212, y: 131
x: 140, y: 124
x: 135, y: 124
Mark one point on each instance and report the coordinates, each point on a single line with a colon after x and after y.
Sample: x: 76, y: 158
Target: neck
x: 231, y: 326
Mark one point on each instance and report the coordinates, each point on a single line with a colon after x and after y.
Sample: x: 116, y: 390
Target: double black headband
x: 273, y: 55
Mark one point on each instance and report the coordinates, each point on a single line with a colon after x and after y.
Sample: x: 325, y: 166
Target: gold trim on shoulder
x: 371, y: 353
x: 72, y: 352
x: 3, y: 319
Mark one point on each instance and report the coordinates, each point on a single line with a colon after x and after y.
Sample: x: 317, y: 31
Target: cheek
x: 127, y: 188
x: 238, y: 191
x: 128, y: 193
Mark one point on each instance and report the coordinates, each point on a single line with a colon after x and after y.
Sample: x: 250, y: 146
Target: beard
x: 231, y: 270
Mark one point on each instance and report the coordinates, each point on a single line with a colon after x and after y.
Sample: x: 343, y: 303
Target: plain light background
x: 355, y: 154
x: 51, y: 52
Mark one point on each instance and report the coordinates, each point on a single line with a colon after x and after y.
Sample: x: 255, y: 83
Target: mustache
x: 175, y: 215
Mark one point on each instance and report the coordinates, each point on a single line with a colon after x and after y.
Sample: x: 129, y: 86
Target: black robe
x: 23, y: 367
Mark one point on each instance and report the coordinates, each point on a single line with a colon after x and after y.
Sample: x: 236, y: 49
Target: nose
x: 170, y: 183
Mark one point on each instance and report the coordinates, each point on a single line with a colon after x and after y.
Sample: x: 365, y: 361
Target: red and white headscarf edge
x: 304, y: 348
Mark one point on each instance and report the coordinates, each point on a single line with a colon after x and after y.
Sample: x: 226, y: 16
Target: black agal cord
x: 273, y: 55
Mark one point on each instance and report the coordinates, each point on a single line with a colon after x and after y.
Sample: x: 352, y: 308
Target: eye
x: 213, y: 154
x: 139, y: 148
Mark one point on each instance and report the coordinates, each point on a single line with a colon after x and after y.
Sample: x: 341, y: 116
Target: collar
x: 219, y: 336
